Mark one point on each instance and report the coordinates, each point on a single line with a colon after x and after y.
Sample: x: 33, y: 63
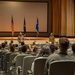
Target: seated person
x: 3, y: 49
x: 6, y: 44
x: 45, y: 52
x: 23, y: 50
x: 62, y: 55
x: 53, y: 48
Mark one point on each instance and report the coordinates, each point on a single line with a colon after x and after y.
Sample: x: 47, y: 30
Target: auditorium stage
x: 29, y: 40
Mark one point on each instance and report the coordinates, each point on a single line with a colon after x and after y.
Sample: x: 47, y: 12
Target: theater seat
x: 39, y: 64
x: 19, y: 62
x: 6, y: 59
x: 62, y: 67
x: 12, y: 56
x: 27, y: 62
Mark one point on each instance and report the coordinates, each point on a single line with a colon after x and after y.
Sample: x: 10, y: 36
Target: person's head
x: 50, y: 43
x: 20, y: 33
x: 53, y: 48
x: 5, y: 42
x: 16, y: 45
x: 12, y: 49
x: 45, y: 51
x: 63, y: 44
x: 11, y: 41
x: 51, y: 34
x: 73, y: 48
x: 34, y: 42
x: 22, y: 43
x: 24, y: 48
x: 3, y: 45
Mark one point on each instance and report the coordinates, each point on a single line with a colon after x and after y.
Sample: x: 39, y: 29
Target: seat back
x: 2, y: 60
x: 27, y: 62
x: 62, y: 67
x: 39, y: 64
x: 7, y: 57
x: 19, y: 59
x: 12, y: 56
x: 19, y: 62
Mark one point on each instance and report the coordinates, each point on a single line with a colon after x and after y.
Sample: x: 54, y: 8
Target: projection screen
x: 30, y: 10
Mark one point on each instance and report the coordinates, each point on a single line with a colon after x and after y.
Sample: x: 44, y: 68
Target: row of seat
x: 60, y: 67
x: 24, y: 61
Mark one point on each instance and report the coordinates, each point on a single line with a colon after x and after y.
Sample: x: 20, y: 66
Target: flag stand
x: 12, y: 37
x: 37, y: 35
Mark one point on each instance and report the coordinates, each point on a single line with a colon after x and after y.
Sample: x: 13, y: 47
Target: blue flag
x: 37, y: 25
x: 24, y: 26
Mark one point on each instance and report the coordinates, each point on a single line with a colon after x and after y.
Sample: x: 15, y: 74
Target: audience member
x: 11, y: 43
x: 12, y: 49
x: 3, y: 49
x: 53, y: 48
x: 6, y: 44
x: 22, y: 43
x: 62, y: 55
x: 45, y: 52
x: 23, y: 50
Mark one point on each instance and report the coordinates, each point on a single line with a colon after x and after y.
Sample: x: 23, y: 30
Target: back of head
x: 63, y: 44
x: 22, y: 43
x: 16, y: 45
x: 12, y: 49
x: 45, y: 51
x: 24, y: 48
x: 11, y: 41
x: 53, y: 48
x: 5, y: 42
x: 73, y: 48
x: 3, y: 45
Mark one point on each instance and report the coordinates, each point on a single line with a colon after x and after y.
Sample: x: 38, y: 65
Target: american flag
x: 12, y: 26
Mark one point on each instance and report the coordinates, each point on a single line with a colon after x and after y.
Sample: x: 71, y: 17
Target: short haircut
x: 16, y: 45
x: 53, y: 48
x: 73, y: 48
x: 3, y: 45
x: 45, y: 51
x: 12, y: 49
x: 22, y: 43
x: 11, y: 41
x: 24, y: 48
x: 64, y: 43
x: 5, y: 42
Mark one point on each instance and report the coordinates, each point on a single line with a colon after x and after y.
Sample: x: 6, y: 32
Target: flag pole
x: 37, y: 27
x: 24, y: 27
x: 12, y: 26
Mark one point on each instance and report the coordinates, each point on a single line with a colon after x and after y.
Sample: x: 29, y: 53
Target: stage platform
x: 29, y: 40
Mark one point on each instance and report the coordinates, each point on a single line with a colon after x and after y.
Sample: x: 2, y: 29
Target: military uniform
x: 52, y: 39
x: 20, y: 38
